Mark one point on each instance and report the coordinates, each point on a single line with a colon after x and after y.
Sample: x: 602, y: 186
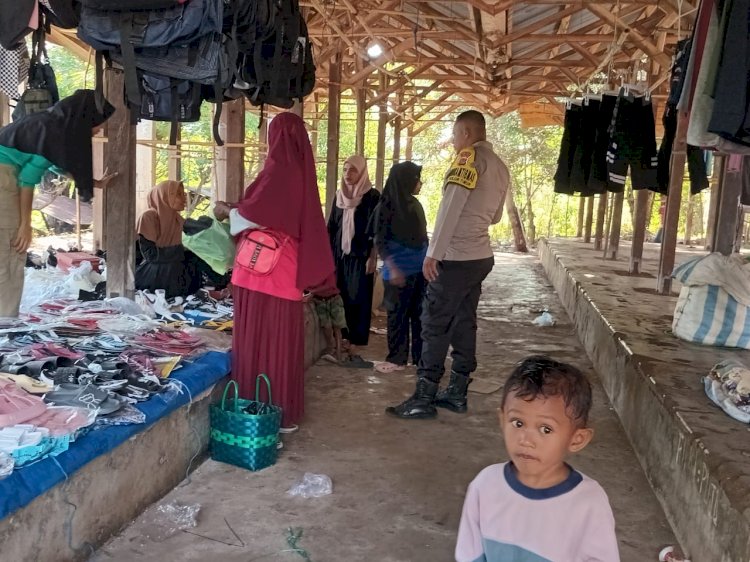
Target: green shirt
x: 29, y: 167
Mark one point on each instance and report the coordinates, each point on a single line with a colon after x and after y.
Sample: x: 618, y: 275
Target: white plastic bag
x: 545, y: 320
x: 312, y: 486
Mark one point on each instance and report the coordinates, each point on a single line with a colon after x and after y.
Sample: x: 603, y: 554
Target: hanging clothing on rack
x: 730, y: 114
x: 695, y: 157
x: 598, y: 177
x: 633, y: 145
x: 576, y: 157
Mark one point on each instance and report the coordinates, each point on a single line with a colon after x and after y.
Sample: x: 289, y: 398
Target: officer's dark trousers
x: 449, y: 317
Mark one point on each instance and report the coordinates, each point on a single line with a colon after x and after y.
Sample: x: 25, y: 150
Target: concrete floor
x: 398, y: 485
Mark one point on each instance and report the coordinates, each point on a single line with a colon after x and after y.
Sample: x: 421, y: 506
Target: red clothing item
x: 274, y: 347
x: 284, y: 197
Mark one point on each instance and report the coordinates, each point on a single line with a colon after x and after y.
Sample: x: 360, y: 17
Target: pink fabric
x: 34, y: 21
x: 284, y: 197
x: 349, y: 197
x: 268, y: 338
x: 281, y: 282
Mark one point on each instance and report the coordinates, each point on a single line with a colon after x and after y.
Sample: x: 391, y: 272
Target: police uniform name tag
x: 462, y: 171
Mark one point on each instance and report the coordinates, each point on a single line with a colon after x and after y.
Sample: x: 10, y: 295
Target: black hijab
x: 399, y: 216
x: 62, y: 134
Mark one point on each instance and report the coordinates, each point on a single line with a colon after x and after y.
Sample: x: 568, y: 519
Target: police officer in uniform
x: 459, y: 258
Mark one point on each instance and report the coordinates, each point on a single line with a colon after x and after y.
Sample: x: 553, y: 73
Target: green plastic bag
x: 215, y: 246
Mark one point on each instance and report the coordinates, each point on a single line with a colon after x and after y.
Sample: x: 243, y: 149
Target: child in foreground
x: 536, y: 507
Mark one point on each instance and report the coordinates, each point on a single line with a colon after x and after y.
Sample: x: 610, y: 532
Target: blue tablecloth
x: 25, y: 484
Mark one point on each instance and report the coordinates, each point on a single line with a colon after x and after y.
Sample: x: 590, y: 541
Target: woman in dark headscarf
x: 59, y: 137
x: 401, y: 240
x: 283, y: 204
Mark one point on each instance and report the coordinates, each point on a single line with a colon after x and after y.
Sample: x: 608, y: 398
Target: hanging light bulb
x: 374, y: 50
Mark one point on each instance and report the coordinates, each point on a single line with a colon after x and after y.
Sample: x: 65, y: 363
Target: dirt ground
x: 398, y: 486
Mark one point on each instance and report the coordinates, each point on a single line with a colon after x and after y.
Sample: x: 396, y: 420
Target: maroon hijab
x: 284, y: 197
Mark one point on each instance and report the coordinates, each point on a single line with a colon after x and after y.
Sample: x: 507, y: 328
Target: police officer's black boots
x: 454, y: 396
x: 419, y: 406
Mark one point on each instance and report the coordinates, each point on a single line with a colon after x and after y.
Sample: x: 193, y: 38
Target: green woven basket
x: 242, y: 439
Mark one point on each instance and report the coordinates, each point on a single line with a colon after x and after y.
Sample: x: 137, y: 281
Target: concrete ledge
x: 690, y: 481
x: 109, y: 492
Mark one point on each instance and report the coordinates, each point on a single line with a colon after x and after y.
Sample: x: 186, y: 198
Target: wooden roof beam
x: 635, y: 38
x: 415, y: 98
x: 536, y: 26
x: 369, y: 19
x: 388, y: 56
x: 431, y: 106
x: 397, y: 85
x: 434, y: 120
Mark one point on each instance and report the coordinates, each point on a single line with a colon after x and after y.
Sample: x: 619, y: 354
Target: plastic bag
x: 182, y: 516
x: 312, y: 486
x: 125, y: 305
x: 6, y: 465
x: 215, y: 246
x: 544, y: 320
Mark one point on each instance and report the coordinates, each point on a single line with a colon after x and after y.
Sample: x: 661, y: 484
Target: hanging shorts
x: 633, y: 146
x: 330, y: 312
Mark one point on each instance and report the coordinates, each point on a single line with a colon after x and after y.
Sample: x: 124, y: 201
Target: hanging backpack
x: 169, y: 99
x: 279, y: 67
x: 167, y: 49
x: 41, y: 91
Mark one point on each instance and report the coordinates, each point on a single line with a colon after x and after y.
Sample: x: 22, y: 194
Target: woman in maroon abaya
x: 283, y: 202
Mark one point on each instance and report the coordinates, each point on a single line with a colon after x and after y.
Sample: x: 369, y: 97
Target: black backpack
x: 167, y: 49
x: 279, y: 67
x: 41, y: 90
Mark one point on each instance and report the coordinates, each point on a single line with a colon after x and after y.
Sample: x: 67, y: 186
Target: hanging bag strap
x: 266, y: 406
x: 230, y: 385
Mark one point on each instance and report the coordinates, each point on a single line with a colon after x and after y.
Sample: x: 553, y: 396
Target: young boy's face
x: 538, y: 435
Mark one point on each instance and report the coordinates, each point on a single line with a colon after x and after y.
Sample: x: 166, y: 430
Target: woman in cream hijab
x: 159, y: 231
x: 350, y: 228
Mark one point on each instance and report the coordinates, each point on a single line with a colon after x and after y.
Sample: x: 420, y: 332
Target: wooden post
x: 601, y: 217
x: 397, y: 132
x: 616, y: 226
x: 726, y: 220
x: 334, y: 127
x: 589, y: 219
x: 298, y: 108
x: 713, y: 203
x: 4, y: 110
x: 672, y: 213
x: 361, y: 121
x: 515, y: 222
x: 174, y: 158
x: 581, y: 216
x: 144, y: 170
x: 689, y: 212
x: 100, y: 197
x: 382, y: 122
x: 315, y: 128
x: 230, y: 160
x: 119, y: 204
x: 409, y: 148
x: 642, y: 206
x: 263, y: 139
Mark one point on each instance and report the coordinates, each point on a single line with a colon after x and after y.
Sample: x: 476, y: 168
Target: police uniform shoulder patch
x: 462, y: 171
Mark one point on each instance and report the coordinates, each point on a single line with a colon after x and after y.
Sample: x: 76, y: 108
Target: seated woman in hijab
x: 280, y: 209
x: 159, y: 228
x: 401, y: 240
x: 61, y: 138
